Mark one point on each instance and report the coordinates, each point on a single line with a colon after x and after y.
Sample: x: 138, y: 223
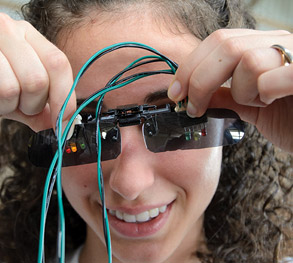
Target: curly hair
x: 250, y: 216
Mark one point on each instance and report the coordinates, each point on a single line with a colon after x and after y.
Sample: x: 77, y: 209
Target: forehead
x: 87, y: 39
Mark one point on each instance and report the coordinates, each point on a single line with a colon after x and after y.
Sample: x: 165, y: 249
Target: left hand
x: 261, y: 86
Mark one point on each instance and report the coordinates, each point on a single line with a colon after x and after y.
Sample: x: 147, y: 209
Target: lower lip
x: 139, y: 230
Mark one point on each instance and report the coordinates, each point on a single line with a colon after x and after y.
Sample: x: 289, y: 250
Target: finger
x: 27, y: 67
x: 254, y: 62
x: 183, y: 74
x: 276, y: 84
x: 36, y: 122
x: 223, y: 98
x: 9, y: 87
x: 220, y: 64
x: 59, y: 72
x: 214, y: 70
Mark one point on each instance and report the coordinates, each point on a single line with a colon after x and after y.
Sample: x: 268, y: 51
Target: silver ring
x: 286, y: 54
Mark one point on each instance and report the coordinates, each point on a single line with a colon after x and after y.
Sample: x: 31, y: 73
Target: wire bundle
x: 54, y: 173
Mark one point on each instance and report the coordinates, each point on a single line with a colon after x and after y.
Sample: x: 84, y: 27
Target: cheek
x: 196, y: 174
x: 193, y: 168
x: 79, y: 181
x: 206, y: 172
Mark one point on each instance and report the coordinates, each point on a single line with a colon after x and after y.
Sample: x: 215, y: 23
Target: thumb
x: 38, y: 122
x: 67, y: 114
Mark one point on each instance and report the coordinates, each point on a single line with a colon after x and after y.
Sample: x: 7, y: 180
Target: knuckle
x: 9, y: 92
x: 251, y: 61
x: 232, y: 47
x: 24, y: 24
x: 9, y: 28
x: 35, y: 83
x: 220, y: 35
x: 6, y: 23
x: 4, y: 18
x: 56, y: 60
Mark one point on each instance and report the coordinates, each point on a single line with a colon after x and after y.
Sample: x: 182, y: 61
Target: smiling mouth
x: 139, y: 218
x: 142, y: 225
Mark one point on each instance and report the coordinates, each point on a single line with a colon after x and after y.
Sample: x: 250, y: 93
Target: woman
x: 204, y: 217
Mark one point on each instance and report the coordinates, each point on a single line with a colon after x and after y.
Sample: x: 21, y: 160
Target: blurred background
x: 270, y: 14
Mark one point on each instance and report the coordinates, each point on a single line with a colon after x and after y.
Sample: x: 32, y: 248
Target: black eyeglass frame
x: 163, y: 129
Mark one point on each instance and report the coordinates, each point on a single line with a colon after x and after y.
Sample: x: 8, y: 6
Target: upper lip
x: 137, y: 209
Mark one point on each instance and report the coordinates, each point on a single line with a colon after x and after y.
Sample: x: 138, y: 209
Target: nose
x: 132, y: 172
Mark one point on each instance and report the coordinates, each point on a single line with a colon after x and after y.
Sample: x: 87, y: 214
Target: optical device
x: 163, y: 129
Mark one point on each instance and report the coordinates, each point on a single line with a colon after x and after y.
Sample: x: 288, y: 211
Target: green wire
x: 56, y: 157
x: 108, y: 241
x: 61, y: 140
x: 147, y: 57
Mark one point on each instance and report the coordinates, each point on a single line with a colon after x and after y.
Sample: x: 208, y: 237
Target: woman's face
x: 173, y: 187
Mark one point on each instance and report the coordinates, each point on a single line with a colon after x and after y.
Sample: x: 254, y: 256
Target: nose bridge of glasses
x: 133, y: 115
x: 131, y: 137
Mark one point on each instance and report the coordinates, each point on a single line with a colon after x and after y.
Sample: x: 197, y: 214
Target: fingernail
x: 191, y: 110
x: 174, y: 90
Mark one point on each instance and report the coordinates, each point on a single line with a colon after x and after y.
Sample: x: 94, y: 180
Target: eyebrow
x: 90, y: 107
x: 150, y: 98
x: 156, y: 96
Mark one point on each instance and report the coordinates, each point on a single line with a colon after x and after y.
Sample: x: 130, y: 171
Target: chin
x: 143, y: 252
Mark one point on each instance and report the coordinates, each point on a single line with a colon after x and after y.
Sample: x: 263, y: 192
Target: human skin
x: 139, y: 179
x: 261, y: 86
x: 36, y: 76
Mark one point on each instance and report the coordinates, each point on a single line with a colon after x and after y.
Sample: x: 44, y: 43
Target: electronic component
x: 163, y: 129
x: 181, y: 105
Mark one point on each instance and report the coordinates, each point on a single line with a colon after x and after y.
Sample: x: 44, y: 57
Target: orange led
x: 73, y: 147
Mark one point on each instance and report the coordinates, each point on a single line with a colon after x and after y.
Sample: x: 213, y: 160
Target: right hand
x: 35, y: 76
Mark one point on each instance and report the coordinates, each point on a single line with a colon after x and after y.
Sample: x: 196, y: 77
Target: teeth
x: 129, y: 218
x: 112, y: 212
x: 163, y: 209
x: 119, y: 215
x: 154, y: 212
x: 142, y: 217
